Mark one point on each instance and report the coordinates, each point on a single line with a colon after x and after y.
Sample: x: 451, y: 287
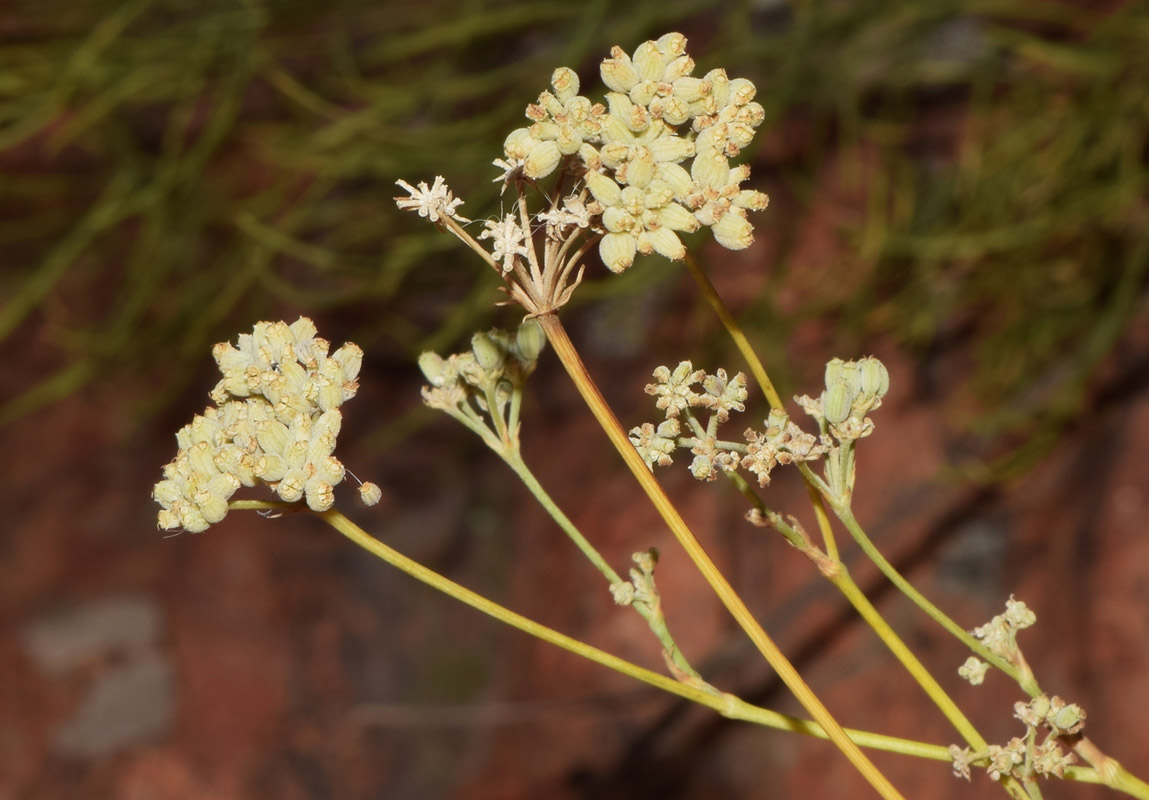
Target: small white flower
x: 433, y: 203
x: 510, y: 167
x: 507, y: 240
x: 572, y: 212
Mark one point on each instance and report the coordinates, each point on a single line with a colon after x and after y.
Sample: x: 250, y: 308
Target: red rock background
x: 270, y: 658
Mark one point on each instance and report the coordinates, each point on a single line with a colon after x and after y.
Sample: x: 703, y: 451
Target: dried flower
x: 973, y: 670
x: 508, y: 241
x: 434, y: 203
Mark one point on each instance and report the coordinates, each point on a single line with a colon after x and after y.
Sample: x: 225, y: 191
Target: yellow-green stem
x: 854, y: 527
x: 728, y: 705
x: 557, y: 336
x: 734, y: 331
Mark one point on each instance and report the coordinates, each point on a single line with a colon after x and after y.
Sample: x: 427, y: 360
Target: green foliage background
x: 171, y: 171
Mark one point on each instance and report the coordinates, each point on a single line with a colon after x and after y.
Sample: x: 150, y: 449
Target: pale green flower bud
x: 702, y: 468
x: 648, y: 62
x: 1065, y: 719
x: 542, y: 160
x: 212, y: 507
x: 674, y: 216
x: 349, y: 357
x: 191, y: 519
x: 200, y: 456
x: 671, y: 148
x: 271, y: 468
x: 487, y: 353
x: 742, y: 91
x: 677, y: 178
x: 836, y: 402
x: 168, y: 492
x: 296, y: 453
x: 643, y: 92
x: 519, y: 144
x: 434, y: 368
x: 605, y: 190
x: 671, y: 44
x: 710, y: 168
x: 530, y: 340
x: 672, y: 110
x: 691, y: 90
x: 640, y: 169
x: 617, y: 220
x: 618, y: 72
x: 330, y: 469
x: 617, y: 251
x: 273, y: 436
x: 565, y: 82
x: 875, y: 378
x: 751, y: 200
x: 370, y: 493
x: 329, y: 394
x: 663, y: 241
x: 834, y: 371
x: 719, y: 86
x: 733, y: 231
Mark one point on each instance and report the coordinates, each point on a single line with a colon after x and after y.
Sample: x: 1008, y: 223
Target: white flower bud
x: 370, y: 493
x: 290, y: 489
x: 542, y: 160
x: 565, y: 82
x: 648, y: 62
x: 320, y: 494
x: 518, y: 144
x: 671, y: 148
x: 618, y: 72
x: 617, y: 251
x: 675, y: 217
x: 710, y: 168
x: 605, y: 190
x: 733, y: 231
x: 663, y: 241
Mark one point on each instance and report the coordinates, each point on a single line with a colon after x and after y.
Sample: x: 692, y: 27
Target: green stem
x: 516, y: 463
x: 727, y: 705
x: 564, y: 348
x: 846, y: 514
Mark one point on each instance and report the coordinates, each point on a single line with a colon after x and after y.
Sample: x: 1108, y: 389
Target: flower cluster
x: 782, y: 442
x: 1021, y: 756
x: 486, y: 381
x: 999, y: 635
x: 853, y: 389
x: 275, y: 422
x: 683, y: 393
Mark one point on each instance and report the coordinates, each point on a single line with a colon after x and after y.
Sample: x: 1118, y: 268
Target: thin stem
x: 516, y: 463
x: 728, y: 705
x: 854, y: 527
x: 735, y: 332
x: 557, y: 336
